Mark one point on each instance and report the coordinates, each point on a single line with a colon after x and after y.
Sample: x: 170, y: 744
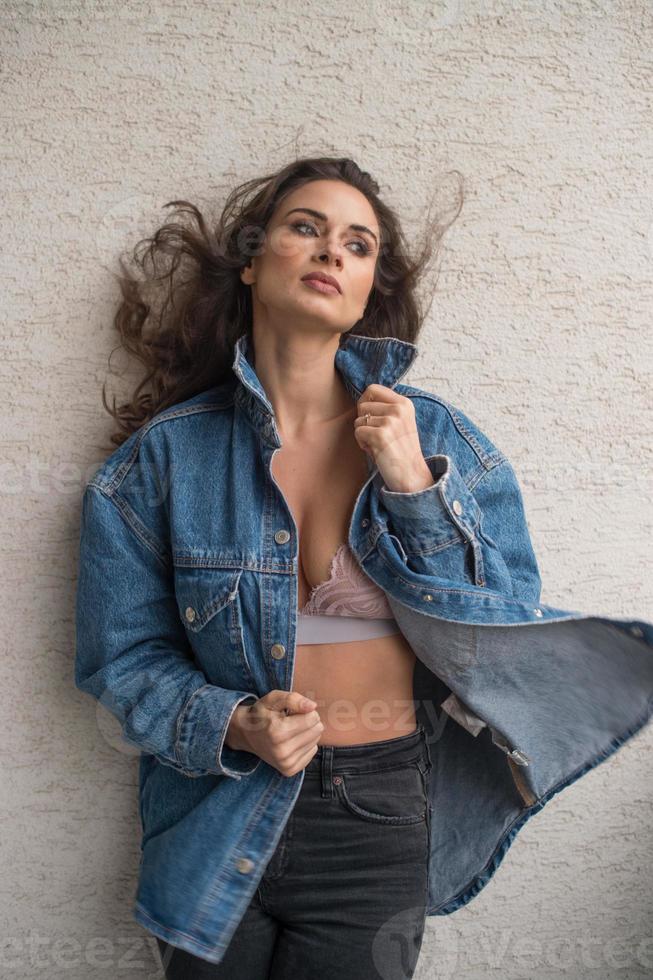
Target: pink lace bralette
x: 347, y: 606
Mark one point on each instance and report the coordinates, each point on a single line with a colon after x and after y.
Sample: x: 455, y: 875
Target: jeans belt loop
x: 327, y: 770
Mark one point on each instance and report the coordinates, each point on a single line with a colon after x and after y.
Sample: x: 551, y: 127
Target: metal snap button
x: 538, y: 612
x: 190, y: 614
x: 427, y: 597
x: 457, y: 507
x: 278, y: 651
x: 282, y: 537
x: 364, y: 522
x: 245, y: 865
x: 337, y: 780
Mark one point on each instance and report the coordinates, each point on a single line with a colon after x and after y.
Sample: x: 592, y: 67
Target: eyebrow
x: 323, y: 217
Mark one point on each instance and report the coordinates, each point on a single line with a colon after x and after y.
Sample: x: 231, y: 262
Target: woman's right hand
x: 282, y: 728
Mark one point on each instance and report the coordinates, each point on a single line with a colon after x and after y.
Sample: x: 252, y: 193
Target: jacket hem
x: 480, y: 881
x: 190, y: 944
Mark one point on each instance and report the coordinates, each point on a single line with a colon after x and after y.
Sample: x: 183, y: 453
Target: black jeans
x: 344, y: 895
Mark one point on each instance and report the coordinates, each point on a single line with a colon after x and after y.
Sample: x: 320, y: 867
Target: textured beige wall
x: 541, y: 332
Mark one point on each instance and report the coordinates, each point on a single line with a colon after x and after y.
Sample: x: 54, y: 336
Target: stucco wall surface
x: 540, y: 331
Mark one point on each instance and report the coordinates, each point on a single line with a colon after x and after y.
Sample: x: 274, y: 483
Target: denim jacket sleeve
x: 476, y: 536
x: 132, y: 653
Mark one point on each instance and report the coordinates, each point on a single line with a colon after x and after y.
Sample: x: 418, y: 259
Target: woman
x: 287, y: 801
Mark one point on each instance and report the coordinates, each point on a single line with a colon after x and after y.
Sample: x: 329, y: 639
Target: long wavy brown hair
x: 185, y: 306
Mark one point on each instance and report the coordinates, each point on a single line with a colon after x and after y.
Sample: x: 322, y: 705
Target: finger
x: 302, y: 739
x: 362, y: 422
x: 364, y: 439
x: 301, y: 722
x: 381, y: 393
x: 303, y: 760
x: 373, y: 421
x: 376, y: 408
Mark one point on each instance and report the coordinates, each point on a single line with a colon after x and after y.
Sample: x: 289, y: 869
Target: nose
x: 331, y: 250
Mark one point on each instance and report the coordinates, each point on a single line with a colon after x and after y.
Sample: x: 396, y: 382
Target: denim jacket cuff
x: 202, y: 730
x: 424, y: 519
x: 236, y: 762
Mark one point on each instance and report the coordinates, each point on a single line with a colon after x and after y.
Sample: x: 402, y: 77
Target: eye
x: 358, y: 241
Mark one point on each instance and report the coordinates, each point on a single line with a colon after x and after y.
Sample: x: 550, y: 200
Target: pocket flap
x: 203, y: 592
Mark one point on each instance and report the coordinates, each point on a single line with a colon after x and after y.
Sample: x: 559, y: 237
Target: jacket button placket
x: 278, y: 650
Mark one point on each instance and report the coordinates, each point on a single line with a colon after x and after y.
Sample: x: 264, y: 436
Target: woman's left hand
x: 390, y: 436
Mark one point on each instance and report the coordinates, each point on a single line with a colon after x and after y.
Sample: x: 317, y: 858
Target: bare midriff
x: 363, y: 688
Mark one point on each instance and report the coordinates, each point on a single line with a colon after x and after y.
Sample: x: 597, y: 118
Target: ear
x: 247, y: 274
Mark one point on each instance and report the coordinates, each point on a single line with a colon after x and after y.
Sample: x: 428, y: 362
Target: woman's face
x: 300, y: 242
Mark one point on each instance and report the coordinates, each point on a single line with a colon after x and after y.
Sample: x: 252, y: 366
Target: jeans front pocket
x: 394, y: 795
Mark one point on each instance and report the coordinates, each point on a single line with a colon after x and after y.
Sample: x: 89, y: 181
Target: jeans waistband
x: 389, y: 751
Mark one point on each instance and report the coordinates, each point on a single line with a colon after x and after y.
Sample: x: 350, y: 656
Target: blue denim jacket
x: 187, y: 607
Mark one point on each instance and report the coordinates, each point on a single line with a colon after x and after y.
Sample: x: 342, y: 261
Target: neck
x: 299, y: 377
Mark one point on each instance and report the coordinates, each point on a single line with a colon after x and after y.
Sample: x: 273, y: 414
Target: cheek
x: 277, y: 277
x: 361, y: 288
x: 285, y: 250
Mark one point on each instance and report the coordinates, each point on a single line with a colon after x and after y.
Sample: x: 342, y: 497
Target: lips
x: 317, y: 278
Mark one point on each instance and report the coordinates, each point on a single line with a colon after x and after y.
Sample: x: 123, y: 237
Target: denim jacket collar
x: 361, y: 361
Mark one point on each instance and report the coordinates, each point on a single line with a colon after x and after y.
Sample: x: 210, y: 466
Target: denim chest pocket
x: 396, y: 795
x: 210, y: 607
